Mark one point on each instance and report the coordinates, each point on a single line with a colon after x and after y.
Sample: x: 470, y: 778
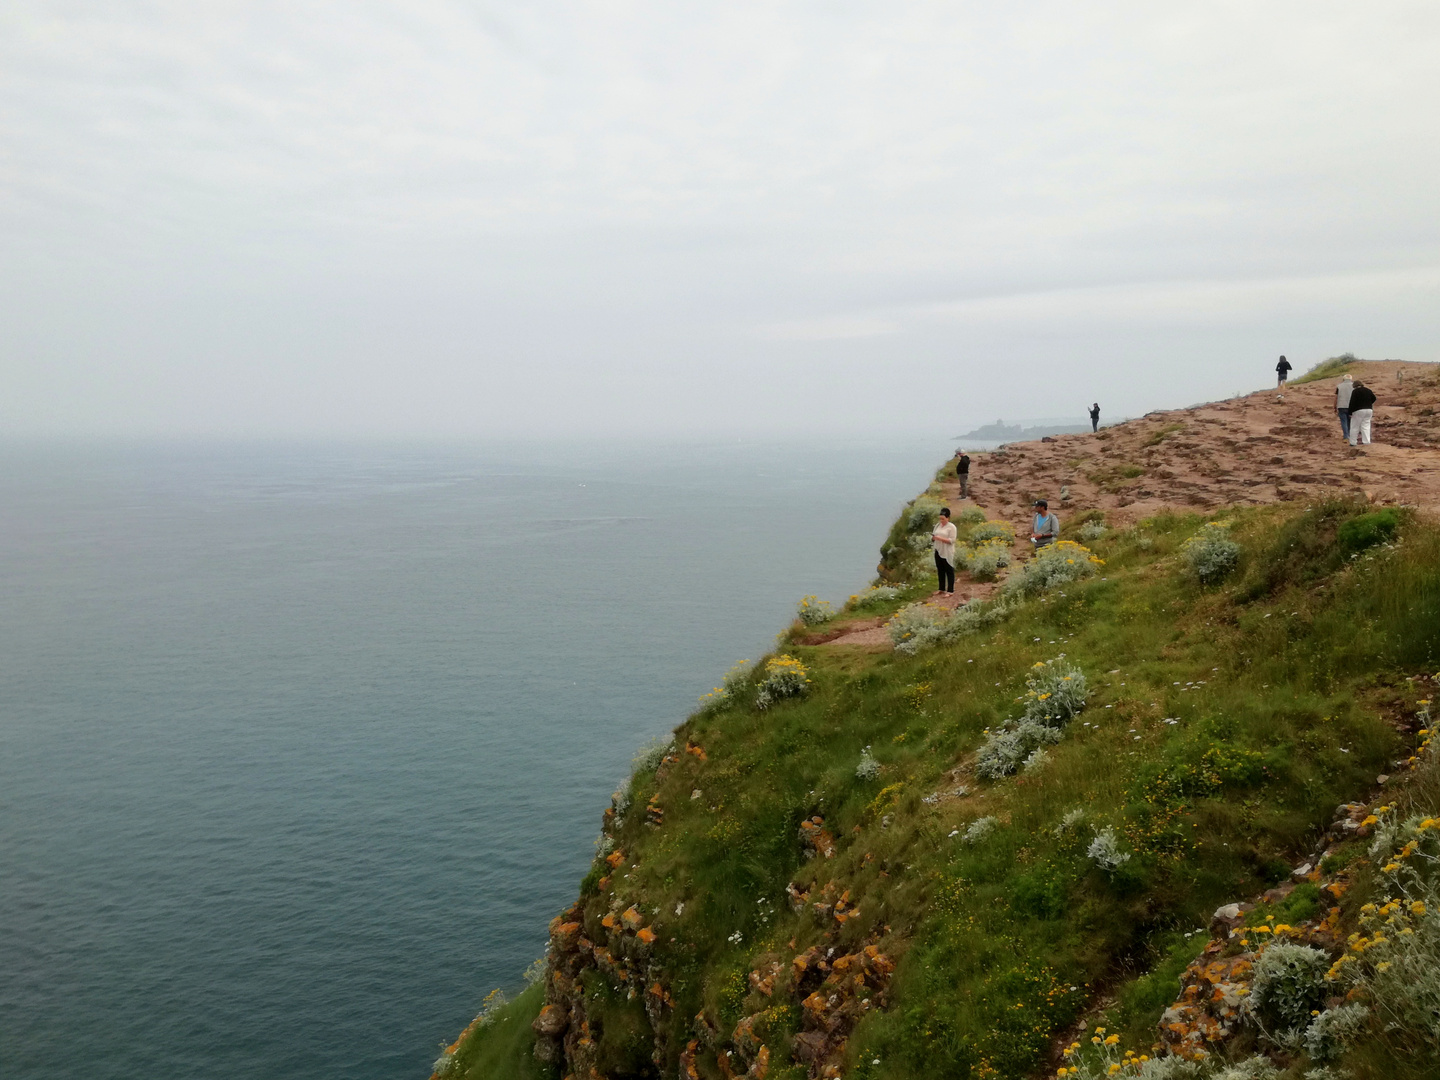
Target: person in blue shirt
x: 1046, y: 527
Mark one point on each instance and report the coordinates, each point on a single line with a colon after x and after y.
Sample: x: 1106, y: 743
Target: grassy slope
x: 1289, y: 682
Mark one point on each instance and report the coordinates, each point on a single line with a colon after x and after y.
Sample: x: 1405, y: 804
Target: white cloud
x: 553, y: 195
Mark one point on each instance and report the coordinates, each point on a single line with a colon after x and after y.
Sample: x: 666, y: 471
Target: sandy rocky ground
x: 1265, y: 447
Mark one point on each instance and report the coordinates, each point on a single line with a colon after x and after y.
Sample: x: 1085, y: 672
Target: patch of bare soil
x: 1265, y: 447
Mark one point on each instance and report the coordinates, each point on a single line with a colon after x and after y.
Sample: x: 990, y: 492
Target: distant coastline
x: 1000, y: 431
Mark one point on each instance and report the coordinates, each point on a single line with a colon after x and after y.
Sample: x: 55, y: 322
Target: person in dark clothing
x: 962, y: 470
x: 1095, y: 417
x: 1282, y: 370
x: 1362, y: 409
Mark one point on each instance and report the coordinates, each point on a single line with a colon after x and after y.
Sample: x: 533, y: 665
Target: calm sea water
x: 301, y: 747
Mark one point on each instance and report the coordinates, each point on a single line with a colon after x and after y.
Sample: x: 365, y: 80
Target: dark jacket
x: 1283, y: 366
x: 1362, y: 397
x: 963, y: 468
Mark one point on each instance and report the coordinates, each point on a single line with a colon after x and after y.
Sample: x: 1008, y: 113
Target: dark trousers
x: 1344, y: 415
x: 1094, y: 424
x: 965, y: 483
x: 946, y: 573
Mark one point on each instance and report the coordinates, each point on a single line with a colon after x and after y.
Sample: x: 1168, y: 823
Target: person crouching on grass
x: 1046, y: 527
x: 943, y: 536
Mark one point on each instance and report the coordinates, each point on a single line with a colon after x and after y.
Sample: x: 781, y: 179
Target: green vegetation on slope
x: 1223, y: 724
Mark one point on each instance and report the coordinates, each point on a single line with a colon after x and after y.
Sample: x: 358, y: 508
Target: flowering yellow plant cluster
x: 1105, y: 1059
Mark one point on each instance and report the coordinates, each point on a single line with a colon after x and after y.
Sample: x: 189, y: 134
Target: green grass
x: 502, y: 1047
x: 1282, y: 680
x: 1328, y: 369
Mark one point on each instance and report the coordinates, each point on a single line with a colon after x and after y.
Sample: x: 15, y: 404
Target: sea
x: 302, y: 745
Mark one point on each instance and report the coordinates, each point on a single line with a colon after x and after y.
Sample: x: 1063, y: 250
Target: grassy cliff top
x: 945, y: 842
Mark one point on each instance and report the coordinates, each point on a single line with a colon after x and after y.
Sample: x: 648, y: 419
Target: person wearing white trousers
x: 1362, y: 409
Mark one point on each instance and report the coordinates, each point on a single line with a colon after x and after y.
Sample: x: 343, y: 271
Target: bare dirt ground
x: 1266, y: 447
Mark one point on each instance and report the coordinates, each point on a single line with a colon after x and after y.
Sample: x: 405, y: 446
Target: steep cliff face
x: 930, y: 839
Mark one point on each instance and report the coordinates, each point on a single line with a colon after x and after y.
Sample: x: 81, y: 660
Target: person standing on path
x: 1343, y: 390
x: 1095, y: 417
x: 1362, y: 408
x: 1282, y: 372
x: 1046, y: 526
x: 943, y: 537
x: 962, y: 470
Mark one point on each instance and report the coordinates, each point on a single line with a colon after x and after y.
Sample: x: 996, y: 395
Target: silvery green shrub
x: 985, y: 560
x: 991, y: 530
x: 1071, y: 819
x: 1037, y: 759
x: 1169, y: 1068
x: 1055, y: 692
x: 869, y: 768
x: 649, y: 756
x: 1105, y: 851
x: 1289, y: 985
x: 1333, y: 1030
x: 923, y: 513
x: 1210, y: 553
x: 980, y: 829
x: 971, y: 515
x: 1255, y: 1068
x: 785, y: 676
x: 1007, y: 747
x: 919, y: 626
x: 813, y: 612
x: 1092, y: 530
x: 912, y: 620
x: 1054, y: 564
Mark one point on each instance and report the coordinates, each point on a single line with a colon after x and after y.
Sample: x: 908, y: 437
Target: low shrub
x: 1092, y: 530
x: 1007, y: 747
x: 875, y: 594
x: 785, y: 677
x: 1333, y: 1030
x: 1054, y: 692
x: 1367, y: 530
x: 813, y: 612
x: 1289, y: 986
x: 923, y: 514
x: 1105, y: 851
x: 1210, y: 553
x: 991, y: 530
x: 981, y: 829
x: 986, y: 560
x: 730, y: 687
x: 971, y: 515
x: 920, y: 626
x: 869, y: 768
x: 1054, y: 564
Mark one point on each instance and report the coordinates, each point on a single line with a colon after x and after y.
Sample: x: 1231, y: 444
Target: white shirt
x: 944, y: 537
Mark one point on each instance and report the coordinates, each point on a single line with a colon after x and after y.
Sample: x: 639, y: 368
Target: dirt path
x: 1265, y: 447
x: 1261, y: 448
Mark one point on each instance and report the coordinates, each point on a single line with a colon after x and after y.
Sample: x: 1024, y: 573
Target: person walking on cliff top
x: 1095, y: 417
x: 962, y: 470
x: 943, y: 537
x: 1046, y: 526
x: 1362, y: 408
x: 1282, y: 372
x: 1343, y: 390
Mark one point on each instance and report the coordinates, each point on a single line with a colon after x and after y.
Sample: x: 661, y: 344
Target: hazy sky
x: 476, y: 218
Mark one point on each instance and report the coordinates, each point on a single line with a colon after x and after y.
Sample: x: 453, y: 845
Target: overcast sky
x: 478, y: 219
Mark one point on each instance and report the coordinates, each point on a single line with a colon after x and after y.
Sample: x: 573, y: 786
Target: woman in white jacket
x: 943, y: 537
